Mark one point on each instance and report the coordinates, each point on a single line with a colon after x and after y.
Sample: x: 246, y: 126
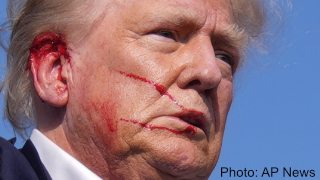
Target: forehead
x: 197, y: 10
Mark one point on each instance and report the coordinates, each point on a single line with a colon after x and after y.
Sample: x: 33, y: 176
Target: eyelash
x: 166, y: 34
x: 226, y: 58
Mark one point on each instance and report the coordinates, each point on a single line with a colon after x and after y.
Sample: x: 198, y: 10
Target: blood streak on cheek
x: 192, y: 113
x: 107, y: 111
x: 162, y: 90
x: 109, y: 114
x: 189, y: 130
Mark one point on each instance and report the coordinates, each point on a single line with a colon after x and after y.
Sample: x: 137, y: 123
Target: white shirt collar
x: 59, y: 164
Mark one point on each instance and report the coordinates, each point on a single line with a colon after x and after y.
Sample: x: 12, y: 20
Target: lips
x: 193, y: 117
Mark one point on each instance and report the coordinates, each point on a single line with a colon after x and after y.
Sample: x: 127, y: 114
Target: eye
x: 224, y: 57
x: 166, y: 34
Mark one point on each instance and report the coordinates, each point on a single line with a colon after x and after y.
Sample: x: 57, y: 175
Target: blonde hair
x: 72, y: 18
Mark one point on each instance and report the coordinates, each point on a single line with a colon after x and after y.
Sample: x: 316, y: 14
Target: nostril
x: 193, y: 83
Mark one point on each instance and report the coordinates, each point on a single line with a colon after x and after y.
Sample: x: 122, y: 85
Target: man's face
x: 151, y: 89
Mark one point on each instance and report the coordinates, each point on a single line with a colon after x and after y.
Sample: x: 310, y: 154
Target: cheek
x: 96, y: 103
x: 106, y: 112
x: 224, y: 100
x: 107, y: 97
x: 226, y: 95
x: 103, y: 115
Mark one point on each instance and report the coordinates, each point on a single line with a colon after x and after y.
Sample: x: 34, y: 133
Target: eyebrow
x: 174, y: 17
x: 233, y: 36
x: 230, y: 34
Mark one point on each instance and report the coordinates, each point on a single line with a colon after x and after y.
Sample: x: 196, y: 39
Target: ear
x: 48, y: 55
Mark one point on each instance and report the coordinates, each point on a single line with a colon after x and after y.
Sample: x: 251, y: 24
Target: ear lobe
x: 47, y: 57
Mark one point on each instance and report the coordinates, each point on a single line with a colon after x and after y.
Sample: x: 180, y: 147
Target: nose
x: 201, y: 71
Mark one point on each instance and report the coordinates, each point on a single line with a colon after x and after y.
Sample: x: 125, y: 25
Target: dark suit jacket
x: 23, y: 164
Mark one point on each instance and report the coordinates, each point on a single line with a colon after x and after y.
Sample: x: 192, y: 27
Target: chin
x: 182, y: 159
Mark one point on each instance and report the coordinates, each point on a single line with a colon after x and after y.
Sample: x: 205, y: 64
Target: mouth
x: 194, y: 118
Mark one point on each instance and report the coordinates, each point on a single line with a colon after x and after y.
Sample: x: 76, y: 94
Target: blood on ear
x: 48, y: 54
x: 46, y: 43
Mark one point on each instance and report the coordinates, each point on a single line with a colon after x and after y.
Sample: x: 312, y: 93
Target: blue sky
x: 275, y: 118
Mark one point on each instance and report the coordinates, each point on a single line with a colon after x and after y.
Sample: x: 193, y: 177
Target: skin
x: 176, y: 44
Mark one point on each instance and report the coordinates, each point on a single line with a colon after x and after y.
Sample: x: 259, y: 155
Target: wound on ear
x: 46, y: 43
